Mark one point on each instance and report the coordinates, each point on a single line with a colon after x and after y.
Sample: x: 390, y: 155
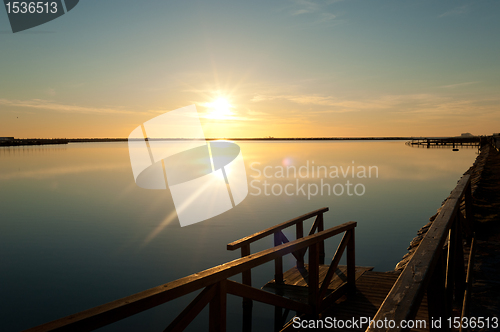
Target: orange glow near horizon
x: 241, y: 113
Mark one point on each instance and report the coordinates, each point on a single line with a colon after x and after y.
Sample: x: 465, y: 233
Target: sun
x: 220, y: 109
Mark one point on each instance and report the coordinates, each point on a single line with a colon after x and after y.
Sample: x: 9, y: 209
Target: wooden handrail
x: 271, y: 230
x: 404, y: 299
x: 117, y: 310
x: 280, y: 238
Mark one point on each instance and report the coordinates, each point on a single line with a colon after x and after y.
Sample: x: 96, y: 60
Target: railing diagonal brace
x: 297, y: 254
x: 314, y: 226
x: 334, y: 264
x: 235, y: 288
x: 192, y: 310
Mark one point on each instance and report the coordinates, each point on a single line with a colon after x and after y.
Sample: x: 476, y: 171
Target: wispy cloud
x: 319, y: 100
x: 428, y: 104
x: 326, y: 17
x: 316, y: 9
x: 304, y: 7
x: 455, y: 11
x: 457, y: 85
x: 60, y: 107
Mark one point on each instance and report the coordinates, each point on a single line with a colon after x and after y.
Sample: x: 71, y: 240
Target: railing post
x: 278, y: 262
x: 246, y: 279
x: 300, y: 234
x: 450, y: 265
x: 217, y: 309
x: 321, y: 227
x: 460, y: 269
x: 470, y: 266
x: 278, y: 278
x: 280, y: 318
x: 351, y: 264
x: 278, y: 314
x: 436, y: 295
x: 246, y: 276
x: 469, y: 210
x: 313, y: 276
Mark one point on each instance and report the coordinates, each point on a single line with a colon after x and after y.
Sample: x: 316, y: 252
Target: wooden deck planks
x: 295, y: 281
x: 372, y: 288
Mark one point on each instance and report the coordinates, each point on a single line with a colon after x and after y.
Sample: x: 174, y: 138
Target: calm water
x: 77, y: 232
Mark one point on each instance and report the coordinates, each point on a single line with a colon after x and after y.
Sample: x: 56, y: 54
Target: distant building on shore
x: 6, y: 139
x: 466, y: 135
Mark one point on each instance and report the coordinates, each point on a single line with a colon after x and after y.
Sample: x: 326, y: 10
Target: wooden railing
x: 280, y: 238
x: 435, y: 269
x: 495, y: 142
x: 315, y: 298
x: 450, y: 141
x: 215, y: 286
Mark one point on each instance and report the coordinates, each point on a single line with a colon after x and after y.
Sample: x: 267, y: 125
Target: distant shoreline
x: 10, y: 141
x: 78, y: 140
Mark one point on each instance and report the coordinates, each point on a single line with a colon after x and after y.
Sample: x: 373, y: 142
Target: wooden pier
x: 437, y: 272
x: 447, y: 143
x: 11, y: 141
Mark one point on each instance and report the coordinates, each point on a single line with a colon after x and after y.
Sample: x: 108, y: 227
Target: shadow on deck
x: 296, y: 280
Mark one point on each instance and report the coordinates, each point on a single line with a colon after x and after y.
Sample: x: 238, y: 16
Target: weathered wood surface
x: 271, y: 230
x: 371, y: 290
x: 295, y: 283
x: 485, y: 278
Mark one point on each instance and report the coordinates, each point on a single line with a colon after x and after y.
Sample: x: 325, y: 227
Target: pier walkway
x: 486, y: 287
x: 451, y: 142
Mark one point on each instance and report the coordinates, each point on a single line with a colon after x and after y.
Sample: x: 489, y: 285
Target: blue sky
x: 287, y: 68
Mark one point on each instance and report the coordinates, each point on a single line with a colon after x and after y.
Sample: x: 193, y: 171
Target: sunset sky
x: 294, y: 68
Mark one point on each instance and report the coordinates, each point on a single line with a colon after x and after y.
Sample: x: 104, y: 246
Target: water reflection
x: 30, y: 149
x: 57, y: 171
x: 78, y: 232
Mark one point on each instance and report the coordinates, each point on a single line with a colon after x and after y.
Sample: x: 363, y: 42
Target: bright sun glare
x: 219, y: 109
